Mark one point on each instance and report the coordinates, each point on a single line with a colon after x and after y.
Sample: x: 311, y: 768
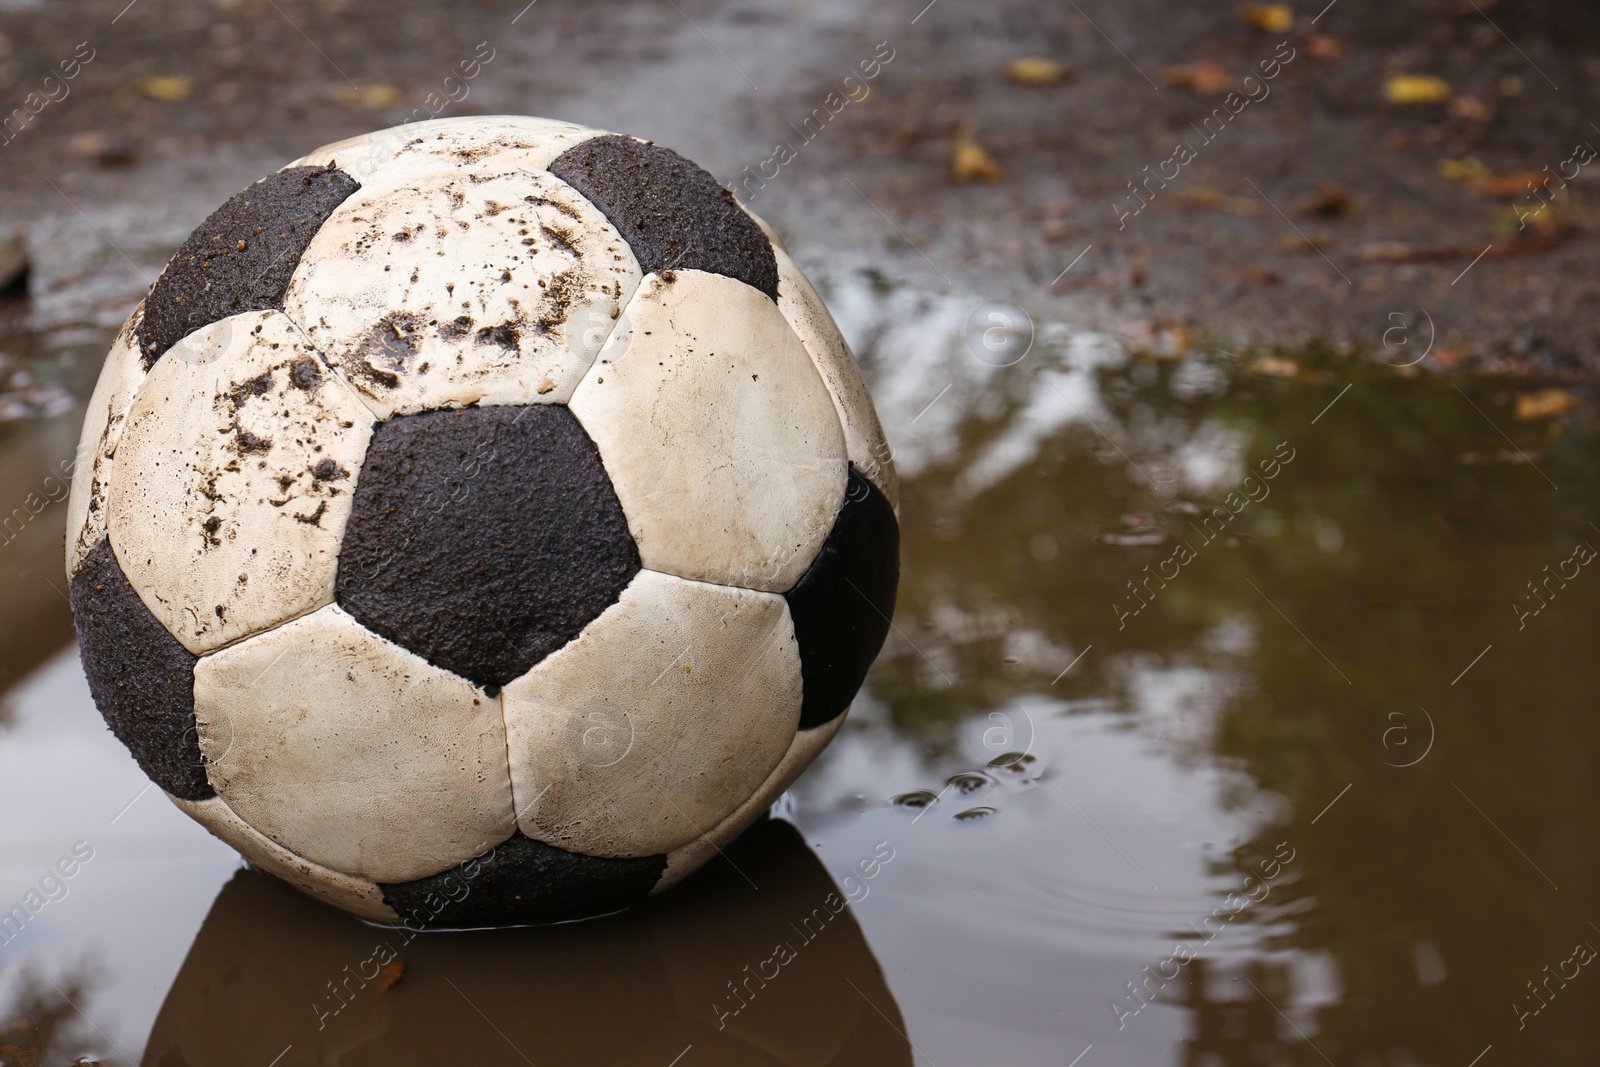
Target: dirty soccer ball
x: 480, y: 522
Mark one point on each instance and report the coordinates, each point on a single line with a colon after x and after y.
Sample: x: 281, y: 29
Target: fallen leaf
x: 1273, y: 18
x: 165, y: 87
x: 1037, y: 70
x: 970, y: 161
x: 1207, y: 79
x: 1322, y: 46
x: 1210, y: 198
x: 1514, y: 219
x: 1469, y: 107
x: 376, y: 95
x: 1465, y: 169
x: 1399, y: 252
x: 1546, y: 404
x: 1552, y: 232
x: 1275, y: 367
x: 1415, y: 89
x: 1506, y: 186
x: 1330, y: 201
x: 104, y: 149
x: 388, y: 975
x: 1199, y: 198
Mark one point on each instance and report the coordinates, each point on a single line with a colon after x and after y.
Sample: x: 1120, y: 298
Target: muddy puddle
x: 1237, y: 710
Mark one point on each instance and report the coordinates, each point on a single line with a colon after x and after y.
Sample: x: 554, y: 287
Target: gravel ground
x: 1312, y: 209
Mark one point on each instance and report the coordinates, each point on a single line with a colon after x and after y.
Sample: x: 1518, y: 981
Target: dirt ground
x: 1314, y: 208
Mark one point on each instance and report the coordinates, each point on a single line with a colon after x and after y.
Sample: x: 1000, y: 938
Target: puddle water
x: 1233, y: 713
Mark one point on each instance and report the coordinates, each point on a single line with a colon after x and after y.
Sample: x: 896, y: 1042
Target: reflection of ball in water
x: 270, y: 969
x: 481, y: 522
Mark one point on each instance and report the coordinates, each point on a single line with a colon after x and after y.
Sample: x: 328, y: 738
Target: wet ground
x: 1239, y: 703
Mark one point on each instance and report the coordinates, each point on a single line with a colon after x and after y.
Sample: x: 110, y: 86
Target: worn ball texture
x: 480, y: 522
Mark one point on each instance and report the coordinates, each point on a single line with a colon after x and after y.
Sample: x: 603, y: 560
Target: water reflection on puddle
x: 1230, y: 715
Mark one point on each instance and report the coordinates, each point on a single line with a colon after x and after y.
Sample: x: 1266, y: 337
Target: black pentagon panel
x: 842, y: 605
x: 483, y: 539
x: 141, y: 678
x: 242, y: 257
x: 523, y: 881
x: 672, y: 213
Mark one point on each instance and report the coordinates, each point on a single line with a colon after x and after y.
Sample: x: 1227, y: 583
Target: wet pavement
x: 1238, y: 704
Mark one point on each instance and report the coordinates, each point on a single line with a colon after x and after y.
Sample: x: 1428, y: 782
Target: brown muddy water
x: 1228, y: 717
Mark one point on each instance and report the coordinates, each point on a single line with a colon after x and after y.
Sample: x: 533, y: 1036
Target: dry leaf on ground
x: 1465, y: 169
x: 103, y: 148
x: 1204, y: 78
x: 1210, y: 198
x: 1507, y: 186
x: 1546, y: 404
x: 1037, y: 70
x: 1330, y: 201
x: 1322, y: 46
x: 1415, y: 89
x: 166, y: 87
x: 970, y: 161
x: 1400, y: 252
x: 1469, y: 107
x: 1273, y: 18
x: 376, y: 95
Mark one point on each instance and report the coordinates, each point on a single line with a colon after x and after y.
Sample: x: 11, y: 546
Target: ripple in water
x: 968, y: 783
x: 1017, y: 768
x: 915, y: 800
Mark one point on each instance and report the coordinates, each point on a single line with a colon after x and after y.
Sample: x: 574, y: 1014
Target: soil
x: 1314, y: 211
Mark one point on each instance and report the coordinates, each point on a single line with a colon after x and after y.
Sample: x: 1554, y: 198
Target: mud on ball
x: 483, y: 522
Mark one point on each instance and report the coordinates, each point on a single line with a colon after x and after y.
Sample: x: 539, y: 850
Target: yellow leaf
x: 1415, y: 89
x: 1274, y: 18
x: 1546, y: 404
x: 1466, y: 169
x: 380, y: 95
x: 168, y: 87
x: 1036, y: 70
x: 1529, y: 220
x: 377, y: 95
x: 970, y: 161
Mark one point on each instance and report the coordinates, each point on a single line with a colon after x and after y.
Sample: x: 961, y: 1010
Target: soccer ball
x: 480, y: 522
